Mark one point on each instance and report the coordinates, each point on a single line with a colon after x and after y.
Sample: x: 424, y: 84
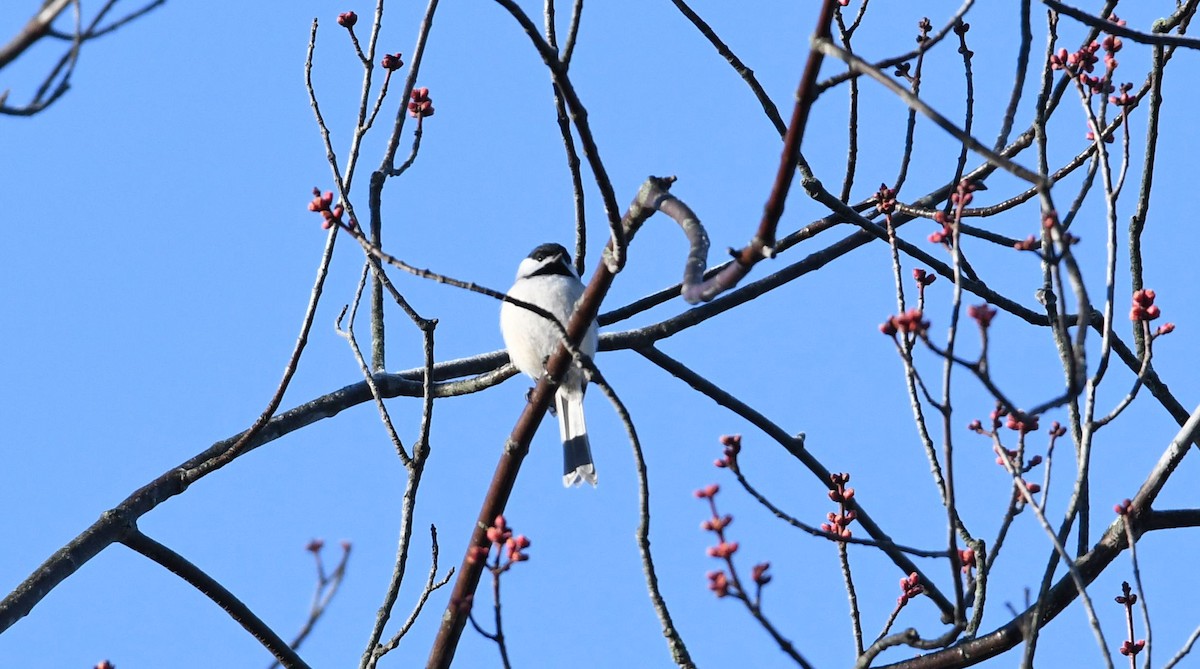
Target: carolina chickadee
x: 547, y: 279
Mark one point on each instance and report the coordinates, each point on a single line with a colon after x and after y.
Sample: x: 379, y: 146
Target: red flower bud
x: 759, y: 573
x: 391, y: 62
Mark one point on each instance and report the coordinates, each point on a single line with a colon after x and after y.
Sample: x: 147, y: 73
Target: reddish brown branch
x: 763, y: 243
x: 517, y: 445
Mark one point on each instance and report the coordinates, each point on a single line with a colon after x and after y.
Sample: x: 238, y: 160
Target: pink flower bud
x: 707, y: 492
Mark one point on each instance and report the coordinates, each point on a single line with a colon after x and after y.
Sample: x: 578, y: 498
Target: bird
x: 548, y: 280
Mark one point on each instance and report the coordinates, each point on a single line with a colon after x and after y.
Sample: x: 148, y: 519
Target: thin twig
x: 416, y: 469
x: 736, y: 63
x: 679, y: 651
x: 327, y: 587
x: 859, y: 65
x: 430, y: 587
x: 1183, y: 652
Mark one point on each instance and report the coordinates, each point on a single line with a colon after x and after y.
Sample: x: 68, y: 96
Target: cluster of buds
x: 910, y: 321
x: 507, y: 546
x: 1123, y: 507
x: 759, y: 573
x: 910, y: 587
x: 838, y: 524
x: 966, y: 558
x: 1019, y: 421
x: 885, y: 200
x: 721, y: 583
x: 707, y: 492
x: 391, y: 62
x: 924, y: 27
x: 421, y: 106
x: 733, y: 446
x: 1057, y: 430
x: 1083, y: 60
x: 1124, y: 99
x: 1144, y: 308
x: 347, y: 19
x: 982, y: 313
x: 1097, y: 85
x: 332, y: 215
x: 717, y: 524
x: 1111, y: 45
x: 1012, y: 459
x: 1128, y: 598
x: 1130, y: 648
x: 960, y: 28
x: 923, y: 277
x: 963, y: 193
x: 718, y: 582
x: 941, y: 236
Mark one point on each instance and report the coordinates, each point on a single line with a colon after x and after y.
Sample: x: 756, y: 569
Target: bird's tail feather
x: 577, y: 451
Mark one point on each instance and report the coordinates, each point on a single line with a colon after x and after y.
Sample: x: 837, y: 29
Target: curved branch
x: 1111, y: 28
x: 222, y: 597
x: 679, y: 651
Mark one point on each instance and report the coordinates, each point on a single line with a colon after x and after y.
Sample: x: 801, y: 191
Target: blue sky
x: 159, y: 258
